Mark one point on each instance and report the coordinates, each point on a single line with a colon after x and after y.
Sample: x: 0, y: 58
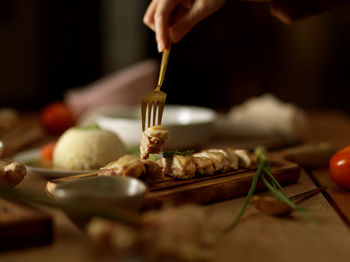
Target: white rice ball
x: 86, y: 149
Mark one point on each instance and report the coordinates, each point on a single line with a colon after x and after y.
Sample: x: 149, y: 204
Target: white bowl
x: 105, y: 193
x: 119, y: 191
x: 189, y: 126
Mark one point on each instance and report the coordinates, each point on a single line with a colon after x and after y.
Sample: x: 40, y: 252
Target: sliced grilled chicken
x: 153, y: 174
x: 244, y: 158
x: 152, y: 140
x: 219, y: 160
x: 127, y: 165
x: 231, y: 157
x: 204, y: 166
x: 181, y: 167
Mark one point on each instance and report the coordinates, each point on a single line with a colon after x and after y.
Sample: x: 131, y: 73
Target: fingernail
x: 160, y: 47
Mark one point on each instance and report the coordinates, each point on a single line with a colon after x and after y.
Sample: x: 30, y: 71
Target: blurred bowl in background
x: 189, y: 126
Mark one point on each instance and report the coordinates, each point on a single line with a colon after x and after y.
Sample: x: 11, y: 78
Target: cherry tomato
x: 345, y: 149
x: 47, y: 152
x: 57, y: 118
x: 339, y: 168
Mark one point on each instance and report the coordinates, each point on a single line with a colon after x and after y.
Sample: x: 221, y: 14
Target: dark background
x: 48, y: 47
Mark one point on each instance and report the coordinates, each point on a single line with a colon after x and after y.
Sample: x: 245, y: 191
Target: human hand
x: 171, y: 20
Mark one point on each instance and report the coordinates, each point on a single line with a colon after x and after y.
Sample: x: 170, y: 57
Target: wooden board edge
x: 225, y: 189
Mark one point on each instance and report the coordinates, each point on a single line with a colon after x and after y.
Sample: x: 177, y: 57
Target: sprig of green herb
x: 249, y: 195
x: 171, y: 154
x: 263, y: 168
x: 285, y: 199
x: 135, y: 151
x: 90, y: 127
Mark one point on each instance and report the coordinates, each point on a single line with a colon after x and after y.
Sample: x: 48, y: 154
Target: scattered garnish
x: 135, y: 151
x: 263, y: 168
x: 47, y: 152
x: 90, y: 127
x: 171, y: 154
x: 261, y: 162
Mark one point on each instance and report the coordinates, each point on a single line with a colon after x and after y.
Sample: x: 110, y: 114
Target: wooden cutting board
x: 23, y: 226
x: 206, y: 189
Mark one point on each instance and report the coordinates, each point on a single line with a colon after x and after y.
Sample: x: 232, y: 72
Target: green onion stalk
x: 264, y: 169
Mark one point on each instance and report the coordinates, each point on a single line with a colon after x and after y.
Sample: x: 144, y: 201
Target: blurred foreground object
x: 264, y: 116
x: 170, y: 234
x: 124, y: 87
x: 11, y: 173
x: 57, y: 118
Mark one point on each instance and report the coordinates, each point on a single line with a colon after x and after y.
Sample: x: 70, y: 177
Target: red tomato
x: 57, y: 118
x: 339, y: 168
x: 47, y: 152
x: 345, y: 149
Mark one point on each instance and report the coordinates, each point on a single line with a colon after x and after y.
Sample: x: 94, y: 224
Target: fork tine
x: 143, y: 113
x: 160, y: 111
x: 154, y: 112
x: 149, y: 113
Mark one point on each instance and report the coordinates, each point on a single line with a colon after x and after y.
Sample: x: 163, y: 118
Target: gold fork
x: 156, y: 98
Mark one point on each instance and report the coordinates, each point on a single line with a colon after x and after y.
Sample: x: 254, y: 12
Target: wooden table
x: 258, y: 237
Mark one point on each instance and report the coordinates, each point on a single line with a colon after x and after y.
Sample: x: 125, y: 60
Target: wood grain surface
x: 332, y: 127
x: 218, y: 187
x: 23, y: 226
x: 257, y: 237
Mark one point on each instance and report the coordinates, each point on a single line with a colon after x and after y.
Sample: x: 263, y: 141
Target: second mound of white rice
x: 86, y: 149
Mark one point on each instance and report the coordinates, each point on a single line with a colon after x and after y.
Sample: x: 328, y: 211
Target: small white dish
x: 101, y: 192
x: 115, y: 191
x: 189, y: 126
x: 31, y: 159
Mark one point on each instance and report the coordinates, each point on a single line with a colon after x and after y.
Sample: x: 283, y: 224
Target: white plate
x: 189, y: 126
x: 28, y: 156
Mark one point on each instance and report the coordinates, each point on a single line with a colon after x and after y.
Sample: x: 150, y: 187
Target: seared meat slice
x: 181, y: 167
x: 204, y: 166
x: 152, y: 140
x: 127, y: 165
x: 219, y: 160
x: 244, y: 159
x: 231, y: 157
x: 154, y: 172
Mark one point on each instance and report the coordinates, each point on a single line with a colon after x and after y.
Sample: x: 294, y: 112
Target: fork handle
x: 163, y: 66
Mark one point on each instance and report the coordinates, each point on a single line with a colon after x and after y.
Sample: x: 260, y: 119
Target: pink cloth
x: 125, y: 87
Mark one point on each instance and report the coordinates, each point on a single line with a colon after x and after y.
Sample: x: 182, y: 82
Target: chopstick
x: 306, y: 195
